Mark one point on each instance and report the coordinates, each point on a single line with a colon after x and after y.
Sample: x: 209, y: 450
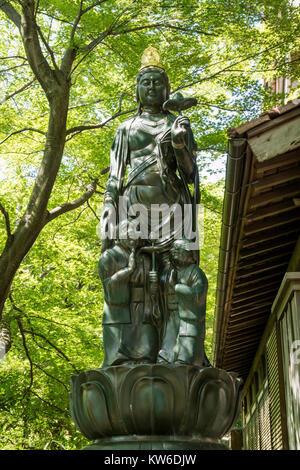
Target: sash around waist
x: 136, y: 171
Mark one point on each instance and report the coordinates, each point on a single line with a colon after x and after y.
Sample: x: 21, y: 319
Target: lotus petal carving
x: 154, y: 399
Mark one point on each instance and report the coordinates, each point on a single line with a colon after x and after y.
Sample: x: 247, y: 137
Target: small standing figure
x: 129, y: 333
x: 190, y: 290
x: 116, y: 266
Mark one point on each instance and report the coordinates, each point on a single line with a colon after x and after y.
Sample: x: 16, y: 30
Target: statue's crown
x: 151, y: 58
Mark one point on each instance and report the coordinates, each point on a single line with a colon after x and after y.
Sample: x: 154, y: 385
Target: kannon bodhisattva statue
x: 159, y: 151
x: 153, y: 389
x: 152, y: 162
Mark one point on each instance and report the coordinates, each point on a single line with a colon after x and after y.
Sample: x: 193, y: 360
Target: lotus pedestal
x: 154, y: 406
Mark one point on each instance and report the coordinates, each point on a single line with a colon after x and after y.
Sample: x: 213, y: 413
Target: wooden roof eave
x: 234, y: 177
x: 243, y: 174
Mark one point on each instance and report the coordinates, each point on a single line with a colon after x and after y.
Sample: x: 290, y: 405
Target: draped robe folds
x: 158, y: 178
x: 170, y: 183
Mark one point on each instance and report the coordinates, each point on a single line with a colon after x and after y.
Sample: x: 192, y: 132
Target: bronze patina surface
x: 155, y: 388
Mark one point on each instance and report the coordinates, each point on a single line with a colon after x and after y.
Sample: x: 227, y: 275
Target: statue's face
x: 152, y: 89
x: 180, y: 257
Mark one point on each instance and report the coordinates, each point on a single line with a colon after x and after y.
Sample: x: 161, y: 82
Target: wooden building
x: 257, y: 318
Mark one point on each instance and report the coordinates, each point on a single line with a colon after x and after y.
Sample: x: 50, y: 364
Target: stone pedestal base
x: 155, y: 407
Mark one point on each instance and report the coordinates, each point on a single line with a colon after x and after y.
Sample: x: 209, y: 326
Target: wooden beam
x: 262, y: 292
x: 277, y: 162
x: 237, y: 362
x: 257, y: 261
x: 269, y: 246
x: 255, y: 301
x: 250, y: 313
x: 244, y: 273
x: 272, y: 142
x: 240, y: 347
x: 270, y: 210
x: 278, y: 178
x: 248, y: 324
x: 258, y: 279
x: 235, y: 357
x: 238, y: 336
x: 243, y: 341
x: 270, y: 124
x: 275, y: 195
x: 238, y: 291
x: 271, y: 234
x: 271, y: 222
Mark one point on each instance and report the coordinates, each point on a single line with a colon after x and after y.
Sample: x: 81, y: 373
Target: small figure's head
x: 127, y: 236
x: 181, y: 254
x: 152, y: 87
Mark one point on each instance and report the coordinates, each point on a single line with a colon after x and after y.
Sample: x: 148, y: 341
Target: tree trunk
x: 34, y: 219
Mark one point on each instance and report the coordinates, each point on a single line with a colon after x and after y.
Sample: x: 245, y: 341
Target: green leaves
x: 218, y: 51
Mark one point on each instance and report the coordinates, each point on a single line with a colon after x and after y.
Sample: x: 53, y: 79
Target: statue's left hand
x: 179, y: 130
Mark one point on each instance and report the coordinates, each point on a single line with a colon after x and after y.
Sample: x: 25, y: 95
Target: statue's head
x: 181, y: 254
x: 152, y: 87
x: 152, y: 82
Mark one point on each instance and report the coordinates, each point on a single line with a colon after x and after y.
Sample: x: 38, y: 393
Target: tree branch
x: 22, y: 331
x: 69, y: 206
x: 51, y: 53
x: 225, y: 69
x: 13, y: 67
x: 48, y: 402
x: 51, y: 376
x: 82, y: 11
x: 159, y: 25
x: 11, y: 95
x: 13, y: 57
x: 76, y: 130
x: 60, y: 352
x: 89, y: 205
x: 10, y: 12
x: 95, y: 4
x: 29, y: 33
x: 76, y: 22
x: 7, y: 221
x: 22, y: 130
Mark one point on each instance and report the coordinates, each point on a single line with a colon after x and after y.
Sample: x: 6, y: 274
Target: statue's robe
x: 171, y: 189
x: 191, y: 292
x: 129, y: 333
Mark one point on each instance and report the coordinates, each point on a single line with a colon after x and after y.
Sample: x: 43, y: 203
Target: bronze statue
x: 159, y: 151
x: 154, y: 389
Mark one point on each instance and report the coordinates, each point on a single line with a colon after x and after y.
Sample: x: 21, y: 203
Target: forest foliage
x: 218, y: 51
